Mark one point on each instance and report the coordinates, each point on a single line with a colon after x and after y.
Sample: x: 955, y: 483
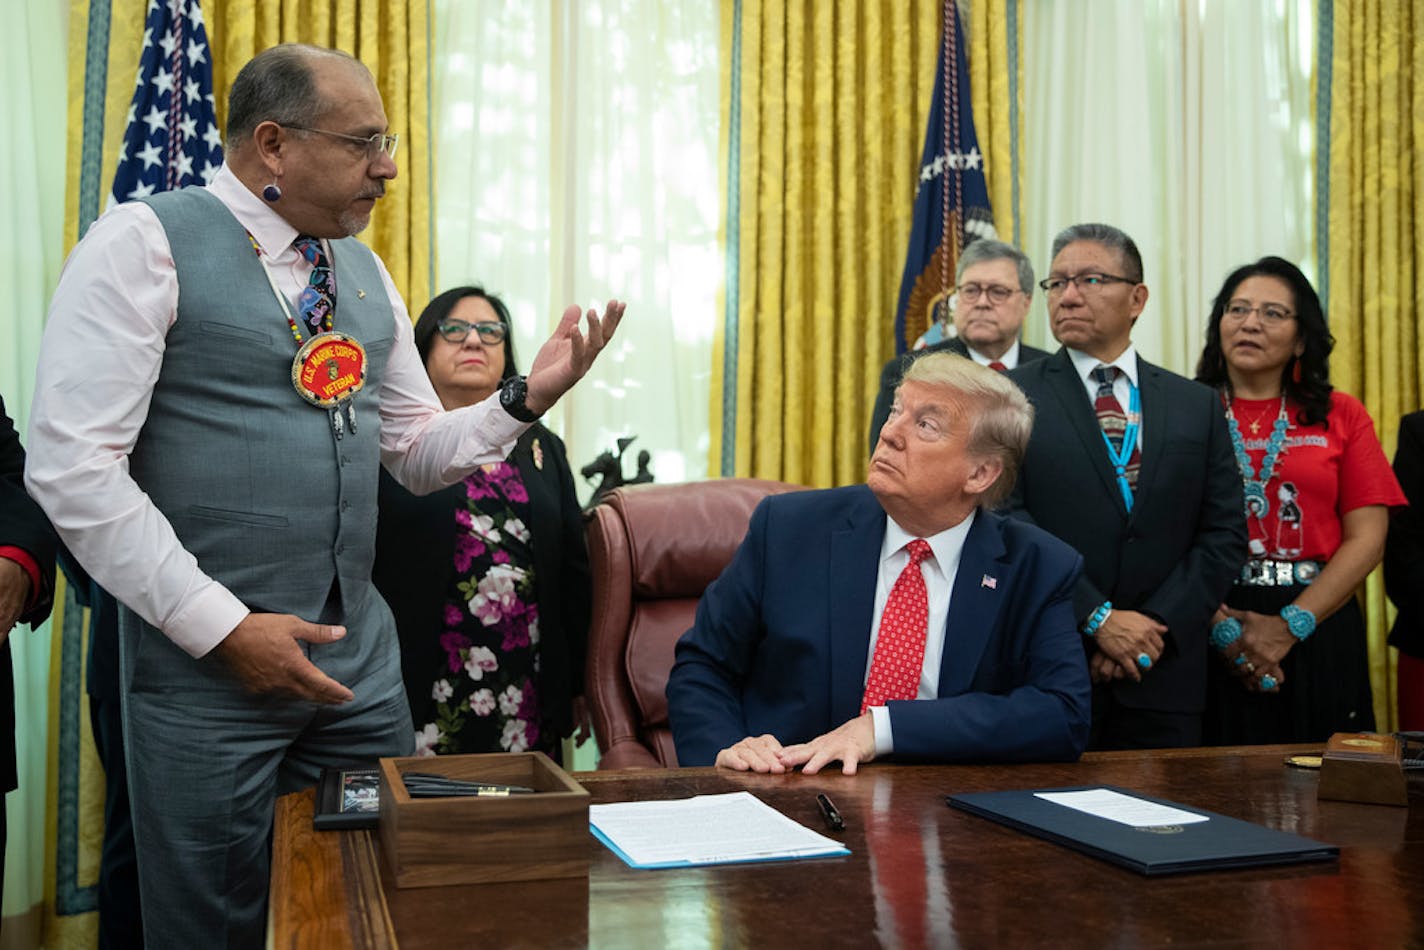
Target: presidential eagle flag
x: 171, y: 136
x: 951, y: 201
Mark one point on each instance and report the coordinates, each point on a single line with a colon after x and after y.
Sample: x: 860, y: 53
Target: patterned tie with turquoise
x: 318, y: 300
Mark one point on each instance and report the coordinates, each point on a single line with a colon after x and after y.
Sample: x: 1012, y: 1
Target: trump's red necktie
x: 900, y: 646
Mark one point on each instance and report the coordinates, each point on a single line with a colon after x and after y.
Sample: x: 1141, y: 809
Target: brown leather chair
x: 653, y: 549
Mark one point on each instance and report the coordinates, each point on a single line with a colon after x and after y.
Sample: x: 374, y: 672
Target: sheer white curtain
x: 33, y: 110
x: 576, y: 159
x: 1188, y: 124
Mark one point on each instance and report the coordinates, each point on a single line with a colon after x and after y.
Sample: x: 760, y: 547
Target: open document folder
x: 1148, y: 835
x: 707, y: 829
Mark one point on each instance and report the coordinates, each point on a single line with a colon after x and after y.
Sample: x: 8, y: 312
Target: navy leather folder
x: 1220, y: 842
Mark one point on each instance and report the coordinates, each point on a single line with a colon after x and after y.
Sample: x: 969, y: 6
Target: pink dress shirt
x: 100, y: 356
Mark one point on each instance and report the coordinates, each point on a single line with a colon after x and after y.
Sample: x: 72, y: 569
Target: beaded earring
x: 272, y: 192
x: 1296, y: 371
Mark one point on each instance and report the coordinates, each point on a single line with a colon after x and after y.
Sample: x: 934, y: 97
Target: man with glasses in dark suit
x: 1132, y: 465
x: 994, y: 287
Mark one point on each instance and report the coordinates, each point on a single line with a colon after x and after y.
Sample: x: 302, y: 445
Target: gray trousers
x: 207, y: 760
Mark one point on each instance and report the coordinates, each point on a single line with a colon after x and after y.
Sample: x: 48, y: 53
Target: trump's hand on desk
x: 850, y: 744
x: 262, y: 651
x: 752, y: 754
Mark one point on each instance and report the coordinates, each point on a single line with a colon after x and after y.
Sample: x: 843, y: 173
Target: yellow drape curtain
x: 1376, y: 238
x: 995, y: 35
x: 827, y: 105
x: 391, y: 37
x: 825, y: 108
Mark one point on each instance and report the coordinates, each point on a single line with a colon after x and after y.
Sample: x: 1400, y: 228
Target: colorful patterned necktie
x: 318, y: 299
x: 900, y: 647
x: 1113, y: 420
x: 1000, y: 367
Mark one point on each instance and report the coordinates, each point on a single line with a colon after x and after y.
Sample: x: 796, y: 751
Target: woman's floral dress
x: 484, y: 691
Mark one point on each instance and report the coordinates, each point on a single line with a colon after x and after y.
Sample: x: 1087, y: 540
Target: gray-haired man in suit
x: 993, y: 290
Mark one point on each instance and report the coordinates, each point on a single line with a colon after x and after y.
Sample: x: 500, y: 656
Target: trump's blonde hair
x: 1000, y: 415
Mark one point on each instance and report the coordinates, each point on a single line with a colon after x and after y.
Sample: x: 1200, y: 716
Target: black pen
x: 433, y: 784
x: 833, y: 818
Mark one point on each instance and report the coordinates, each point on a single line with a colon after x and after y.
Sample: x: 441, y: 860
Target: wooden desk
x: 920, y: 873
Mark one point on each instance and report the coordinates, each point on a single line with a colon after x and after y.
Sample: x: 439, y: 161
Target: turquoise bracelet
x: 1096, y: 620
x: 1225, y: 632
x: 1300, y: 621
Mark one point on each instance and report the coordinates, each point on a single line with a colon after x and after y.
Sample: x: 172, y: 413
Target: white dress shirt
x: 939, y: 572
x: 99, y: 359
x: 1123, y: 385
x: 1010, y: 359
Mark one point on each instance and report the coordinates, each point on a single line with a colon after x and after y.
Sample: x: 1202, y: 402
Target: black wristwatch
x: 512, y: 393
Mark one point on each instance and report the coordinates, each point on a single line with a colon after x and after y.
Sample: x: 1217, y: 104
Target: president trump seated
x: 900, y: 618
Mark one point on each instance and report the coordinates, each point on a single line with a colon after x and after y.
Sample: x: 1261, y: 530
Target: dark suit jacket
x: 415, y: 541
x: 22, y: 525
x: 782, y: 639
x: 1404, y: 551
x: 894, y: 371
x: 1176, y: 555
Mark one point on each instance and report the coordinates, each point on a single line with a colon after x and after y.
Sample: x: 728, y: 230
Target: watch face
x: 511, y: 397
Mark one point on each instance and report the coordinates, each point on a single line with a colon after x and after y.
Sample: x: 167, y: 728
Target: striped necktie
x: 1112, y: 419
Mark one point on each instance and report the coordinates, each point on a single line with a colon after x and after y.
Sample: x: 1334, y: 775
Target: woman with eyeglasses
x: 1291, y: 660
x: 488, y: 579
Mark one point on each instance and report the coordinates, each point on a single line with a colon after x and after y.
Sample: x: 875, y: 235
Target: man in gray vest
x: 224, y: 371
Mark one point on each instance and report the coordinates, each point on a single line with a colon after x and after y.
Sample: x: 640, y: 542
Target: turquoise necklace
x: 1257, y: 505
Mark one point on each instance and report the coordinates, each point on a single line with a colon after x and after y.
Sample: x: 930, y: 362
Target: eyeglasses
x: 997, y: 293
x: 1271, y: 313
x: 456, y: 331
x: 374, y: 145
x: 1056, y: 285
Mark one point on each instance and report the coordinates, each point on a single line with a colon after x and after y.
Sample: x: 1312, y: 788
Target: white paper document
x: 707, y: 829
x: 1115, y: 806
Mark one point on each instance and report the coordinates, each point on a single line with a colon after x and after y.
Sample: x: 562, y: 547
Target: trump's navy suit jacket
x: 781, y: 640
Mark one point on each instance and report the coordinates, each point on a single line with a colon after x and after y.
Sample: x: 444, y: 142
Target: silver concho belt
x: 1265, y: 573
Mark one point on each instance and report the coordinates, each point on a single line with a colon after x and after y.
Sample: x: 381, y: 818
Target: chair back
x: 653, y: 549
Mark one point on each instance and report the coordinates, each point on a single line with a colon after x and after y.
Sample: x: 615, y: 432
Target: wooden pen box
x: 525, y: 837
x: 1363, y: 767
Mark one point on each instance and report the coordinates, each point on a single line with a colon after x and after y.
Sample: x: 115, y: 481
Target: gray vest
x: 252, y: 478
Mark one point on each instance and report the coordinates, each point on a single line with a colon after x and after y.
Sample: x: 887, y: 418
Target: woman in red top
x: 1293, y: 664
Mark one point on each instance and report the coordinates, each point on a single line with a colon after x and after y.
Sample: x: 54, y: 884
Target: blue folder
x: 1215, y: 844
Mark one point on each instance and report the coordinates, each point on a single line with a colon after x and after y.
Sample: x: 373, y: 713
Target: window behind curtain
x: 1189, y: 125
x: 576, y: 159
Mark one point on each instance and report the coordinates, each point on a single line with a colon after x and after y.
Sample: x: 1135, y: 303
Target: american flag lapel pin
x: 990, y: 582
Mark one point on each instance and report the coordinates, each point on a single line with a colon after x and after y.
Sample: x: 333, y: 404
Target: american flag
x: 171, y: 137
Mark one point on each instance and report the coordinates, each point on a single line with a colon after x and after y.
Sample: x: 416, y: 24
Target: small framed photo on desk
x: 348, y: 798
